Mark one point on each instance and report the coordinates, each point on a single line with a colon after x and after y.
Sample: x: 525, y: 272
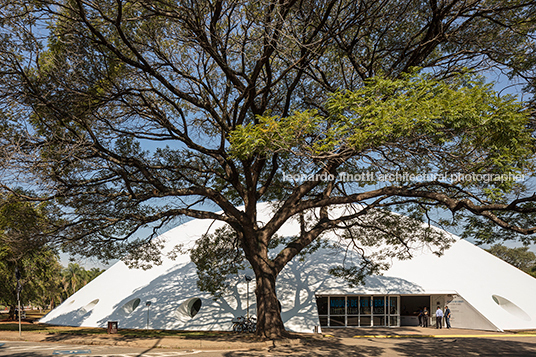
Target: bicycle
x: 242, y: 324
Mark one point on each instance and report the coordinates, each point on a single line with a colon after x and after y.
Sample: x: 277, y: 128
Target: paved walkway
x: 404, y: 341
x: 415, y: 332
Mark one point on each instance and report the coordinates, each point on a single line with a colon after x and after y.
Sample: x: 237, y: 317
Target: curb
x: 441, y: 336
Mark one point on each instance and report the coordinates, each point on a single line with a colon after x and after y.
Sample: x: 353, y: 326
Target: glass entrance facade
x: 358, y: 310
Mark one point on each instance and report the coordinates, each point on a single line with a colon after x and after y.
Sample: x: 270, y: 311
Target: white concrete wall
x: 464, y: 315
x: 500, y: 295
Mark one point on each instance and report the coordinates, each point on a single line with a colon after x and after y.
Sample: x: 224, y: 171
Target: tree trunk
x: 11, y: 312
x: 269, y: 322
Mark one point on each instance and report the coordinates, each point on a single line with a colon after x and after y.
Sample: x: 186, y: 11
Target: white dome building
x: 482, y: 292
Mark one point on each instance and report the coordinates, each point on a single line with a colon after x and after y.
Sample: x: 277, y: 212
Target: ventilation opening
x: 510, y: 307
x: 90, y: 306
x: 190, y: 307
x: 130, y: 306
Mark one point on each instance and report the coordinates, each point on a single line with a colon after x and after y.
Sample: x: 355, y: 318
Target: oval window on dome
x: 90, y: 306
x: 510, y: 307
x: 130, y: 306
x: 190, y: 307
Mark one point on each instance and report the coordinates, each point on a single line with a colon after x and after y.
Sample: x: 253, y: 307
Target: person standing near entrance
x: 447, y: 316
x: 439, y: 317
x: 425, y: 317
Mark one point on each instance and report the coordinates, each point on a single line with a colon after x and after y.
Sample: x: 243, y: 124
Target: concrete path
x: 333, y: 342
x: 416, y: 332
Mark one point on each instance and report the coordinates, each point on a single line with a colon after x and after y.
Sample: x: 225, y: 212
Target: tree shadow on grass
x: 414, y: 347
x: 449, y: 347
x: 104, y: 338
x: 312, y: 348
x: 138, y: 339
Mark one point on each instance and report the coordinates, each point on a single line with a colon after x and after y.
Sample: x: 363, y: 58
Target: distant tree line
x: 27, y: 245
x: 520, y: 257
x: 47, y: 284
x: 73, y: 278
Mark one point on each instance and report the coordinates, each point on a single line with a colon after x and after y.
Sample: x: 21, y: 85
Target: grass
x: 48, y: 329
x: 527, y: 332
x: 67, y: 330
x: 30, y: 315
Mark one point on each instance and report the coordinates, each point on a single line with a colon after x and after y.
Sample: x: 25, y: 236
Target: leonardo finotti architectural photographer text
x: 404, y: 177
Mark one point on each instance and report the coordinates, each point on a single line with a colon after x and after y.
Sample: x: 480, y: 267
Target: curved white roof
x: 502, y: 294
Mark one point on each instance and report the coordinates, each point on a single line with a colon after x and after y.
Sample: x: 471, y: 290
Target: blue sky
x: 502, y: 85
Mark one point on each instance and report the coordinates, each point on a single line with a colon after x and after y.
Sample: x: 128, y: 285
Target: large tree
x: 25, y: 246
x: 40, y: 278
x: 133, y: 114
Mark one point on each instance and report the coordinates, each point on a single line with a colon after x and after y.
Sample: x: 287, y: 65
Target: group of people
x: 443, y: 314
x: 440, y: 315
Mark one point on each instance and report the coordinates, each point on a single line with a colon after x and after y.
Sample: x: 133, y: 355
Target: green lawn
x: 30, y: 315
x: 41, y: 328
x: 528, y: 332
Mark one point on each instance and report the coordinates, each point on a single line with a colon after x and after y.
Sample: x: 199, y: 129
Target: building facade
x: 482, y: 292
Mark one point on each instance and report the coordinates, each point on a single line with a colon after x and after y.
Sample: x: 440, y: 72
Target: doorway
x: 409, y: 308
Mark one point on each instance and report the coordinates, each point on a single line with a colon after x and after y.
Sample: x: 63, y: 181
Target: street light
x: 148, y: 303
x: 248, y: 279
x: 19, y: 289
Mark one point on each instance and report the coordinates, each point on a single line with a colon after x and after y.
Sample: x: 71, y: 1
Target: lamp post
x: 19, y: 288
x: 148, y: 304
x: 248, y: 279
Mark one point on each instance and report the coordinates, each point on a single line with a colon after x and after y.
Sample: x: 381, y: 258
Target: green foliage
x: 520, y: 257
x: 485, y: 231
x: 44, y: 281
x: 219, y: 259
x: 380, y: 236
x: 217, y: 256
x: 24, y: 226
x: 25, y: 232
x: 273, y: 134
x: 40, y: 277
x: 74, y: 277
x: 461, y: 116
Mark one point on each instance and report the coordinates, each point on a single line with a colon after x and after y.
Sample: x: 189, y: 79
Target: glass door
x: 394, y: 315
x: 352, y: 311
x: 365, y: 312
x: 337, y: 311
x: 378, y: 311
x: 322, y: 304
